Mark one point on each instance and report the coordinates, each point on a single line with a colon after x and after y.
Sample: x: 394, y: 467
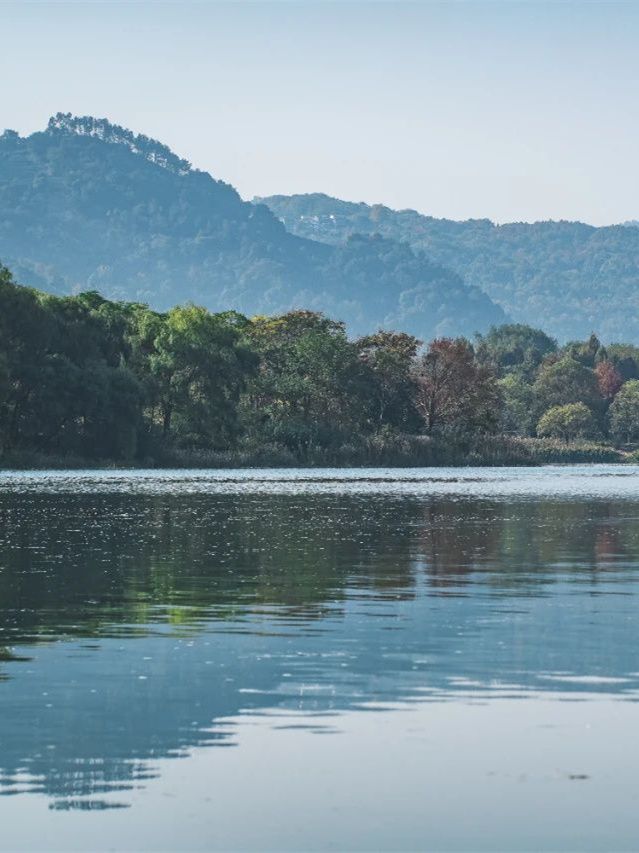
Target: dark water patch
x: 85, y: 805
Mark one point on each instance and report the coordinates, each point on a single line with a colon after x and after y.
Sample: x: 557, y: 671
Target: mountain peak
x: 89, y: 205
x: 101, y: 128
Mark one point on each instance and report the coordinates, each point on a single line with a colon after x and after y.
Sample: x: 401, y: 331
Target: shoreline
x: 498, y: 451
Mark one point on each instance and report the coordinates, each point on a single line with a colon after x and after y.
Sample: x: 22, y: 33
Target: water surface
x: 319, y: 659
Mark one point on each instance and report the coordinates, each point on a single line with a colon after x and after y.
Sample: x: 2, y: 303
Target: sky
x: 514, y: 111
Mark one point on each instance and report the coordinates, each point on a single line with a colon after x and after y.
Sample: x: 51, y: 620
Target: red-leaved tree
x: 453, y: 392
x: 608, y: 379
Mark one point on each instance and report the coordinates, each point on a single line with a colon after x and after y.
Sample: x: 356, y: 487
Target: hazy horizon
x: 514, y: 112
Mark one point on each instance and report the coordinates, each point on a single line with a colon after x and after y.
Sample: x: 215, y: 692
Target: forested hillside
x: 88, y: 205
x: 569, y: 277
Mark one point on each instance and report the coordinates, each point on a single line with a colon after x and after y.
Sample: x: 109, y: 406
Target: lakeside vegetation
x: 84, y: 380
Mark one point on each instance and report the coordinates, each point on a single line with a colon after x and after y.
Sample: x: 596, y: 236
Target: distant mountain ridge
x: 87, y: 204
x: 569, y: 277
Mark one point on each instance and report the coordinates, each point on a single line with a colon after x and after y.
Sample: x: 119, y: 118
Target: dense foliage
x: 82, y: 377
x: 574, y: 276
x: 87, y: 205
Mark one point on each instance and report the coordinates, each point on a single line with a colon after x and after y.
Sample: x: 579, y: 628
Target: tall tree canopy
x: 453, y: 391
x: 515, y: 348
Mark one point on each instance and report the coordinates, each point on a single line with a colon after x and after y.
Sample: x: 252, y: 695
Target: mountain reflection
x: 133, y: 626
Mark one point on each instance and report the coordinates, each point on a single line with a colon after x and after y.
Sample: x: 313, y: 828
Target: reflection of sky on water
x: 512, y: 774
x: 574, y: 481
x: 141, y: 627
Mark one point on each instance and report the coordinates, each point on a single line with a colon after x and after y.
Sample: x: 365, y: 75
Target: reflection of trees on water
x: 113, y: 558
x: 522, y: 546
x: 178, y: 612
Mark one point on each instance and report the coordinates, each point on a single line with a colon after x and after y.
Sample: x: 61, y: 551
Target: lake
x: 432, y: 659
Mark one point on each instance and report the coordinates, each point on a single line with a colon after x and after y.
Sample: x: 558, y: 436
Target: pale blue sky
x: 509, y: 110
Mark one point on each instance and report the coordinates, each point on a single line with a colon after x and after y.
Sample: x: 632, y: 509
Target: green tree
x: 624, y: 413
x: 514, y: 348
x: 566, y: 381
x: 87, y: 376
x: 310, y: 388
x: 625, y: 358
x: 588, y: 353
x: 199, y: 364
x: 574, y: 420
x: 25, y: 334
x: 517, y: 417
x: 389, y: 358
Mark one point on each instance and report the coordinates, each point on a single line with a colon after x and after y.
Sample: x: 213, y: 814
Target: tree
x: 453, y: 392
x: 91, y: 377
x: 200, y: 363
x: 518, y: 410
x: 624, y: 413
x: 566, y: 381
x: 25, y: 334
x: 575, y: 420
x: 310, y: 389
x: 514, y: 348
x: 609, y: 380
x: 589, y: 353
x: 625, y: 358
x: 389, y: 358
x: 4, y: 394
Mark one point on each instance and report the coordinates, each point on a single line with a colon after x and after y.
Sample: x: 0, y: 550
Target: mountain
x: 86, y: 204
x: 569, y: 277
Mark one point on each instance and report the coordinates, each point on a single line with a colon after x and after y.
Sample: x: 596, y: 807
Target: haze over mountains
x: 568, y: 277
x: 86, y: 204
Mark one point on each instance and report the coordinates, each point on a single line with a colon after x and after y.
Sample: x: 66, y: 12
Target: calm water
x: 288, y: 660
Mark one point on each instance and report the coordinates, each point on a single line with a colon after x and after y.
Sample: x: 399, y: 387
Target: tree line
x: 87, y: 377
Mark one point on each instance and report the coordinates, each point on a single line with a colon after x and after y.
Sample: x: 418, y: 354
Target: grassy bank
x: 399, y: 451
